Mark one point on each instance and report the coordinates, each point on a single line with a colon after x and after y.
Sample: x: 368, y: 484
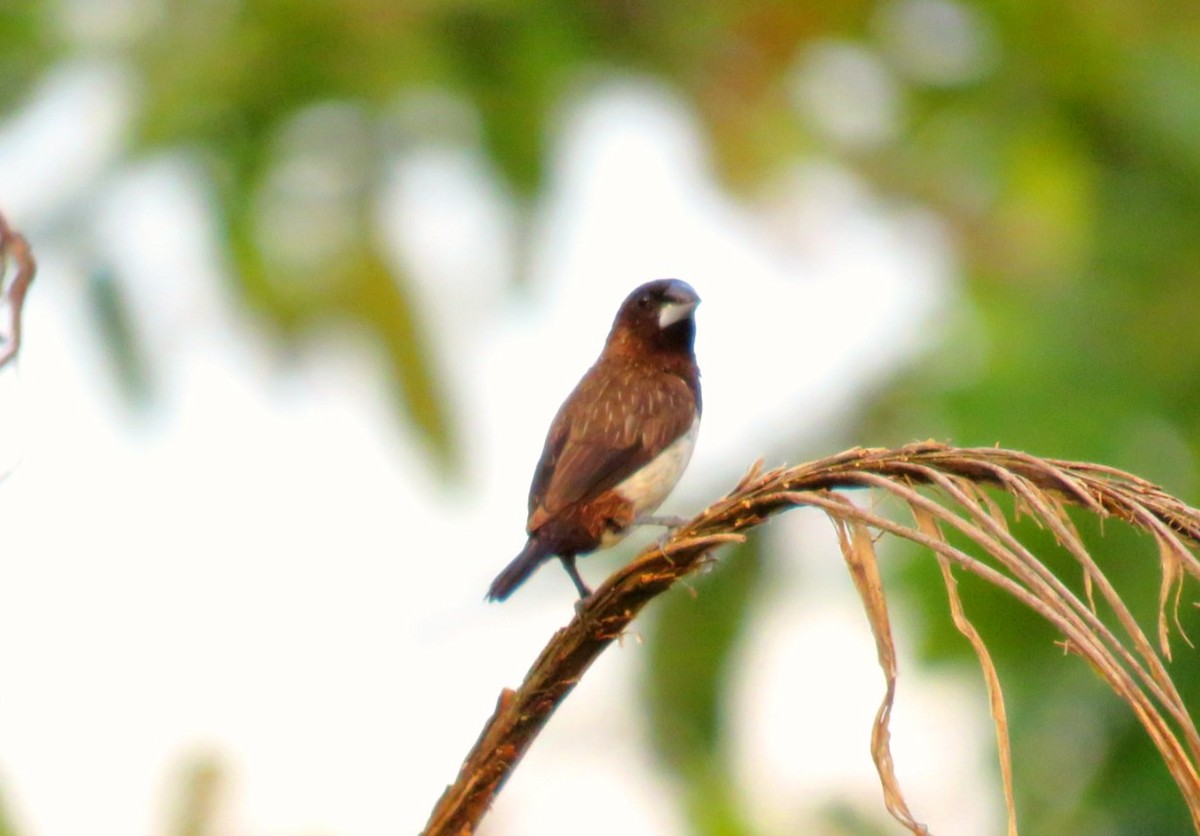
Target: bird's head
x: 658, y: 315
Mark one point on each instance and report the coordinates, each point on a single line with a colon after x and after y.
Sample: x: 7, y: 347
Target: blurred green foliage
x: 690, y: 667
x: 1061, y: 146
x: 26, y: 49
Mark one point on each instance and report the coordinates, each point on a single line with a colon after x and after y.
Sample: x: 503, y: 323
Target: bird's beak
x: 681, y: 301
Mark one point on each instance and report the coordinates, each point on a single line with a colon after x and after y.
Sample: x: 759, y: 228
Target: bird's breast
x: 646, y: 489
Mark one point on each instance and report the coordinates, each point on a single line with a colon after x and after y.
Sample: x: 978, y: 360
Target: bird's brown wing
x: 612, y: 424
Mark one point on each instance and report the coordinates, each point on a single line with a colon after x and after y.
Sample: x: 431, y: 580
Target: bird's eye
x: 644, y: 302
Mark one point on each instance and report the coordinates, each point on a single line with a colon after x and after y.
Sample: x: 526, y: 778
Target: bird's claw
x: 669, y: 523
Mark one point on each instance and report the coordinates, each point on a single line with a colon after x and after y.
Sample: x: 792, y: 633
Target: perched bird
x: 621, y: 440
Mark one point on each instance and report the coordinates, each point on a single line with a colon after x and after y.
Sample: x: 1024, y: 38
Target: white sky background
x: 264, y: 569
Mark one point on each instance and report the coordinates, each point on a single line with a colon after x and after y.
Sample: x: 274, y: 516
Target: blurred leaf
x: 26, y: 47
x: 119, y: 337
x: 198, y: 798
x: 513, y: 68
x: 372, y: 293
x: 357, y: 286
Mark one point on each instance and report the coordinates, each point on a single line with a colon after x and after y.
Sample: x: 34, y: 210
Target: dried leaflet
x: 927, y: 526
x: 1172, y: 582
x: 14, y: 247
x: 859, y: 552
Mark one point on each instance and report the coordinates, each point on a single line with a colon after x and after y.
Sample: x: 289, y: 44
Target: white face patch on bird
x: 678, y: 303
x: 673, y: 312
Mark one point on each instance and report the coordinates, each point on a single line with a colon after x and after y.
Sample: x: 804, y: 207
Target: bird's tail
x: 522, y: 566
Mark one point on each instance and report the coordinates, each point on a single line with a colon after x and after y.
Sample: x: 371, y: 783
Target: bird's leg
x: 568, y: 562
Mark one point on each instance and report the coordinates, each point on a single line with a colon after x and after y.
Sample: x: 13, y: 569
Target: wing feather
x: 615, y: 421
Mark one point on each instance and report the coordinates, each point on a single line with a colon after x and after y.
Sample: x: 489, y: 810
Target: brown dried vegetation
x: 943, y: 488
x: 14, y: 249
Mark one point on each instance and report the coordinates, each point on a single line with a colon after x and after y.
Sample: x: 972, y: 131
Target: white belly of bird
x: 646, y: 489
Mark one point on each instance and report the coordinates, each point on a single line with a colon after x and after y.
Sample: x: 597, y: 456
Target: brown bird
x: 621, y: 440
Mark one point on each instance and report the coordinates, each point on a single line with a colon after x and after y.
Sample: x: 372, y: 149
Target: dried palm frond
x: 1041, y: 488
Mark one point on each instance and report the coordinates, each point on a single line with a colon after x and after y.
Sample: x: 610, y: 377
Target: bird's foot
x: 671, y: 524
x: 666, y: 522
x: 661, y: 544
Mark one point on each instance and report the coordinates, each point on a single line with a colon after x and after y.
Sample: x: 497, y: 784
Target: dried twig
x: 1123, y: 655
x: 12, y: 293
